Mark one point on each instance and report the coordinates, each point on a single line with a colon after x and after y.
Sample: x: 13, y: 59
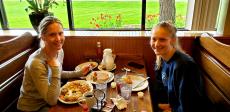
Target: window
x: 152, y: 13
x: 61, y: 13
x: 98, y: 14
x: 16, y: 15
x: 110, y: 14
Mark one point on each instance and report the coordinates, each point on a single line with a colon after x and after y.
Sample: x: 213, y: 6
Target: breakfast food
x: 127, y: 79
x: 89, y: 65
x: 73, y: 90
x: 94, y: 76
x: 99, y: 77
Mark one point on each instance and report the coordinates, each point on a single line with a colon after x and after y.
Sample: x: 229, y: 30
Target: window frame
x: 188, y: 26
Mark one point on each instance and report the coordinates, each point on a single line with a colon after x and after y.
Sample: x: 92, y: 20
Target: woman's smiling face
x: 161, y: 41
x: 54, y: 37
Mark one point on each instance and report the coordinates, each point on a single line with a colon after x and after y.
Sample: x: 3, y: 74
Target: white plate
x: 71, y: 82
x: 79, y: 67
x: 136, y: 79
x: 89, y: 76
x: 100, y: 67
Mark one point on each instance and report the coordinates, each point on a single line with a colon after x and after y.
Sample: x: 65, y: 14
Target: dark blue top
x: 182, y: 79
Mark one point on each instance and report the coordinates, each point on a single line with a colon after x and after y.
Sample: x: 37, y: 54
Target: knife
x: 139, y: 83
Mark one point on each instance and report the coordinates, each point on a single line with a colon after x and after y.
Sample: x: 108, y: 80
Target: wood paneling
x: 78, y: 48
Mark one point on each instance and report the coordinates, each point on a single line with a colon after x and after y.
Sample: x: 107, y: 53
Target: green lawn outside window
x: 107, y: 13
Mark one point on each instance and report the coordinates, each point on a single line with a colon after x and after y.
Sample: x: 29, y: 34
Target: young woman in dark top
x: 177, y: 70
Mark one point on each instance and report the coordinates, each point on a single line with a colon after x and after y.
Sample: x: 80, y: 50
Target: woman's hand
x: 165, y: 107
x: 85, y: 69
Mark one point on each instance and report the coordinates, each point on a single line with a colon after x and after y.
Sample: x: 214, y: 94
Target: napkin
x: 120, y: 102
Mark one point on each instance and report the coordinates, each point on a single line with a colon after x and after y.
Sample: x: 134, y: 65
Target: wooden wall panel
x: 80, y: 48
x: 187, y: 44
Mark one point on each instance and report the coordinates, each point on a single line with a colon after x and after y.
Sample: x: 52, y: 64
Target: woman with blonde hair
x: 43, y: 70
x: 178, y: 72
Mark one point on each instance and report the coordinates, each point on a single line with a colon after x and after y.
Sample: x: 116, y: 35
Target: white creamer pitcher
x: 108, y: 60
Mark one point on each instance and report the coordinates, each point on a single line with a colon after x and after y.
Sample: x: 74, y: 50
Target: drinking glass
x: 118, y: 80
x: 102, y: 86
x: 126, y: 90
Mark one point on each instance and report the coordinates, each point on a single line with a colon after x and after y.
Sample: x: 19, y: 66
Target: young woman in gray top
x: 43, y: 70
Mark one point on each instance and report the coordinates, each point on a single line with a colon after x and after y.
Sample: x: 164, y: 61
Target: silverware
x: 138, y: 84
x: 132, y: 71
x: 127, y: 69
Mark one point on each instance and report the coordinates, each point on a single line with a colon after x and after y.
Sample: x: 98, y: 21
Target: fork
x: 129, y: 70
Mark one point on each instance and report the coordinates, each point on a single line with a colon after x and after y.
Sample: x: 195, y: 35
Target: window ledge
x: 105, y: 33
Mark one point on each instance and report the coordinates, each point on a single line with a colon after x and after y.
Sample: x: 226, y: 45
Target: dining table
x: 135, y: 104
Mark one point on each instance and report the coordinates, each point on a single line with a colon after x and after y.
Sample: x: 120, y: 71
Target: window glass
x: 60, y: 12
x: 181, y: 11
x: 19, y: 18
x: 16, y: 15
x: 100, y: 14
x: 152, y: 13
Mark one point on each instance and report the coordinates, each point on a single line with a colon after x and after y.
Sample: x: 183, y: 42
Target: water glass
x: 118, y: 80
x: 102, y: 86
x: 126, y: 90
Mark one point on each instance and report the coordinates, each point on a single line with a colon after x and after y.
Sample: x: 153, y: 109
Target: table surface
x: 135, y: 105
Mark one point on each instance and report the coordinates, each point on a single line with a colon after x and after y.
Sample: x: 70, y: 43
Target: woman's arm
x: 75, y: 74
x: 47, y: 86
x: 71, y: 74
x: 190, y: 88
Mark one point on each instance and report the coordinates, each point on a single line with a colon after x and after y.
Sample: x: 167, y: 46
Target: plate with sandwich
x: 91, y: 63
x: 100, y: 77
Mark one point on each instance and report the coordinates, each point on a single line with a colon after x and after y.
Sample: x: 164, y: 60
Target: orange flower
x: 97, y: 26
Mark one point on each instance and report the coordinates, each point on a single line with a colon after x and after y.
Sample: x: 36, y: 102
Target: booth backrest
x: 214, y: 59
x: 14, y: 53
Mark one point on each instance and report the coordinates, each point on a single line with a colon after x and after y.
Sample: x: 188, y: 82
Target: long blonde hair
x: 171, y: 29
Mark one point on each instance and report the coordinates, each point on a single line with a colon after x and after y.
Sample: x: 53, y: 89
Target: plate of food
x: 100, y: 77
x: 72, y: 92
x: 135, y: 80
x: 102, y: 68
x: 91, y: 63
